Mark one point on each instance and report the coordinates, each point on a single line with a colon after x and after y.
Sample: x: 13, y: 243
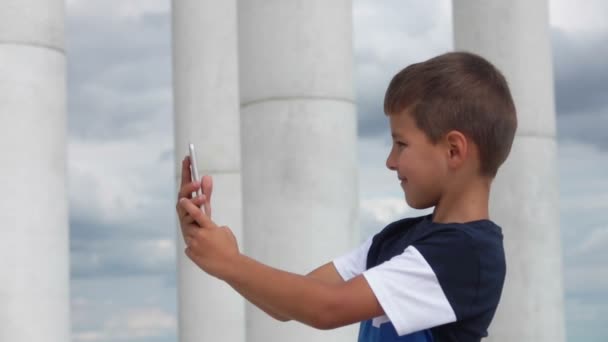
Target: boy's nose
x: 390, y: 163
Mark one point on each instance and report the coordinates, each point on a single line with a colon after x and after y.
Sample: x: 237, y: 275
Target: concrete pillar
x: 207, y: 113
x: 515, y: 36
x: 298, y: 124
x: 34, y: 240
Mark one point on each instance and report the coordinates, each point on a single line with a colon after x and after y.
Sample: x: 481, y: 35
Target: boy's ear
x: 457, y: 148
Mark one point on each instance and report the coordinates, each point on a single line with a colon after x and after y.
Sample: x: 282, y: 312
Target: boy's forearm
x: 271, y: 312
x: 286, y: 295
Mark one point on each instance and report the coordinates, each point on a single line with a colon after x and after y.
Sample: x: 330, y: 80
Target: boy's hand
x: 187, y: 187
x: 210, y: 247
x: 207, y: 244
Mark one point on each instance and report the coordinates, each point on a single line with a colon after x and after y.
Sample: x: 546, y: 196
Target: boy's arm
x: 269, y: 311
x: 326, y: 273
x: 310, y: 300
x: 306, y: 299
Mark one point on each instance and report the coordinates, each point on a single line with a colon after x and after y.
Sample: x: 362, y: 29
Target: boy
x: 433, y: 278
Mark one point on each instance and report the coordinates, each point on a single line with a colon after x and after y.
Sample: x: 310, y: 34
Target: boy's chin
x: 417, y: 204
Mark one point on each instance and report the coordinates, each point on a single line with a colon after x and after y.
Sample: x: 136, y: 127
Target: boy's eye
x: 400, y: 144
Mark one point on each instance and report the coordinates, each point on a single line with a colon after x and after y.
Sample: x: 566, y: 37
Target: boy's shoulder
x: 423, y: 227
x: 400, y: 227
x: 449, y: 239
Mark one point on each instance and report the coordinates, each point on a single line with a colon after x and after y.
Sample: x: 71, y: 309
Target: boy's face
x: 420, y: 165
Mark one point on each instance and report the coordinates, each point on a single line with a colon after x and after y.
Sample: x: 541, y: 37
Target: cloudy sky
x: 121, y: 153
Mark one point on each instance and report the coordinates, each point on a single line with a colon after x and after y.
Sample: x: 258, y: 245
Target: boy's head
x: 459, y: 106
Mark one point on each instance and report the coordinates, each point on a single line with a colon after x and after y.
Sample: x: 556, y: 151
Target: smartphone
x: 194, y: 170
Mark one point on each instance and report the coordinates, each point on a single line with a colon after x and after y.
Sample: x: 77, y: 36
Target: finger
x: 186, y: 175
x: 187, y: 189
x: 196, y: 213
x: 191, y: 231
x: 181, y: 213
x: 187, y: 219
x: 207, y: 185
x: 199, y: 200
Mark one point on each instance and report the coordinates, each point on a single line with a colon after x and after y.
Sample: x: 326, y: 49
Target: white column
x: 34, y: 240
x: 206, y: 104
x: 298, y: 124
x: 515, y: 36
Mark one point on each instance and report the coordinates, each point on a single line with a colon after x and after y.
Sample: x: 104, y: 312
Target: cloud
x: 116, y: 8
x: 387, y: 39
x: 121, y: 145
x: 121, y: 171
x: 140, y: 322
x: 134, y: 324
x: 598, y: 238
x: 122, y: 257
x: 584, y: 199
x: 584, y: 17
x: 585, y: 128
x: 584, y: 235
x: 581, y: 85
x: 586, y: 318
x: 127, y: 93
x: 122, y: 208
x: 129, y: 308
x: 580, y: 71
x: 118, y: 183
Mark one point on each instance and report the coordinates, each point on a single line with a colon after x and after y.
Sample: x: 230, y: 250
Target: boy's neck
x: 464, y: 204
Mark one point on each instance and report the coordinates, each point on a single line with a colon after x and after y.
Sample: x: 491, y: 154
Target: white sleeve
x: 409, y: 292
x: 355, y: 262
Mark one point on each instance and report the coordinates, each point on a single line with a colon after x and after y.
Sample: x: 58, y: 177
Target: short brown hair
x: 458, y: 91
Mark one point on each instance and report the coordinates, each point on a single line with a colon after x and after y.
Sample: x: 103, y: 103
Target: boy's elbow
x: 328, y: 317
x: 320, y: 323
x: 278, y: 317
x: 315, y: 322
x: 326, y: 325
x: 325, y: 322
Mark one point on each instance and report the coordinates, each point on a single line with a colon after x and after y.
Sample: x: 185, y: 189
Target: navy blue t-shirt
x: 435, y: 281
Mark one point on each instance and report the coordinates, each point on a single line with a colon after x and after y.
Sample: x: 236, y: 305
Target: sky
x: 121, y: 154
